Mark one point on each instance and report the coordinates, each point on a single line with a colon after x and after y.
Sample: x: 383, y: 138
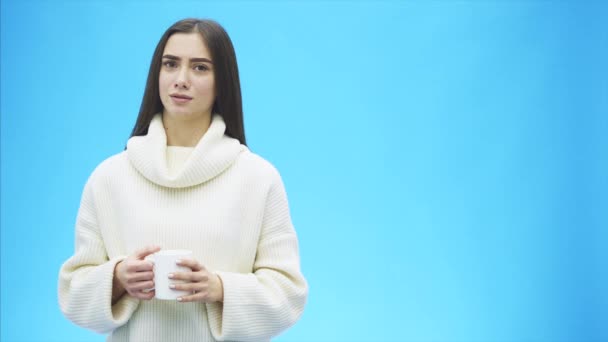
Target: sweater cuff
x: 119, y: 313
x: 227, y: 320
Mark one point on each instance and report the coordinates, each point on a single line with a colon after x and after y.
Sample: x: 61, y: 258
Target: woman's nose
x: 181, y: 85
x: 182, y: 81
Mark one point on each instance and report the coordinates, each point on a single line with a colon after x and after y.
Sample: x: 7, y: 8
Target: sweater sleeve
x: 258, y: 306
x: 85, y: 279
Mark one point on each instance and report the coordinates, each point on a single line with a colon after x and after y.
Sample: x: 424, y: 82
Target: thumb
x: 140, y: 254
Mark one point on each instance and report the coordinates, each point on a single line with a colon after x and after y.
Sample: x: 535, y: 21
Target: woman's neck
x: 184, y: 131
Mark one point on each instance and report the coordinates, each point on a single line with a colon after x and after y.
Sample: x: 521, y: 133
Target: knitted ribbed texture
x: 225, y: 204
x: 176, y: 158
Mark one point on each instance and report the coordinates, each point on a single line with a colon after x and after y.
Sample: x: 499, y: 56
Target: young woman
x: 186, y: 181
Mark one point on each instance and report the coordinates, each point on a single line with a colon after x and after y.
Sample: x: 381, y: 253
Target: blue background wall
x: 446, y: 162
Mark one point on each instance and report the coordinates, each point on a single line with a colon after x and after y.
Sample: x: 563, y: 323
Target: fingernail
x: 178, y: 261
x: 172, y: 286
x: 180, y: 299
x: 171, y: 275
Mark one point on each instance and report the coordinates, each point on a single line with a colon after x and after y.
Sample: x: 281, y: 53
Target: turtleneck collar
x: 213, y: 154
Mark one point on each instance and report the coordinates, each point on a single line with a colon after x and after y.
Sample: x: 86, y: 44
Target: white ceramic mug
x: 165, y: 263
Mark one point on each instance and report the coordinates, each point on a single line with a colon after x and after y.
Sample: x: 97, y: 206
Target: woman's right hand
x: 135, y: 274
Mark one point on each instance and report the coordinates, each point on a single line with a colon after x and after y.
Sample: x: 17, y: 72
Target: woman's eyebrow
x: 191, y: 60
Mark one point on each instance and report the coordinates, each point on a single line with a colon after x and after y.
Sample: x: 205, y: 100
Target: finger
x: 190, y: 287
x: 190, y: 276
x: 139, y: 276
x: 144, y: 285
x: 144, y: 252
x: 197, y: 297
x: 139, y: 266
x: 194, y: 265
x: 143, y: 295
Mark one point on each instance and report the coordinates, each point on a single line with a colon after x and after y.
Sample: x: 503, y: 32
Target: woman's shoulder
x: 257, y: 165
x: 111, y: 166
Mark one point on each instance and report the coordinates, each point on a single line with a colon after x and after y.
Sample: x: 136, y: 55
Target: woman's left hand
x: 205, y: 286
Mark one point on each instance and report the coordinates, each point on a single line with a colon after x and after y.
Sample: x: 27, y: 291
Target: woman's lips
x: 181, y: 98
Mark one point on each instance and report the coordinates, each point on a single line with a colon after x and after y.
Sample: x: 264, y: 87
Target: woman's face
x: 186, y: 80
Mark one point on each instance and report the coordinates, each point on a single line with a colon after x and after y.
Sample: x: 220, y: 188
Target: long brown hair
x: 228, y: 102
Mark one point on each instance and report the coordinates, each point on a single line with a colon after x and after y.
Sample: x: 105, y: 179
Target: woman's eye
x: 169, y: 64
x: 201, y: 67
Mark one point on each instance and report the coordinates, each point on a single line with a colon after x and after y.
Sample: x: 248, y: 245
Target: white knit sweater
x: 226, y: 204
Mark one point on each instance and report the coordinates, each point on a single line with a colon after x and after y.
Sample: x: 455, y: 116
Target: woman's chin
x: 183, y: 114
